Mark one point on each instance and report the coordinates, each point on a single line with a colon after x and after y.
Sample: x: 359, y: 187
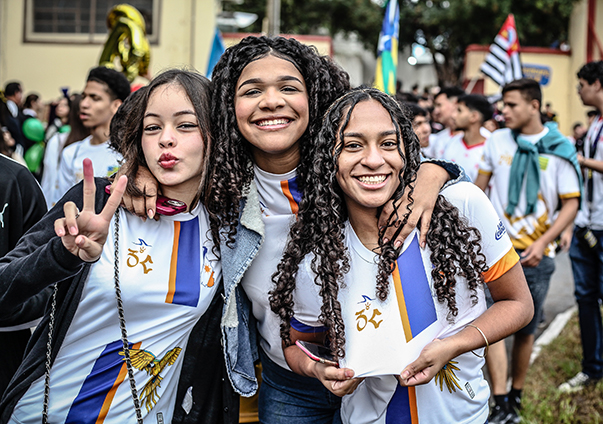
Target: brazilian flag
x: 387, y: 51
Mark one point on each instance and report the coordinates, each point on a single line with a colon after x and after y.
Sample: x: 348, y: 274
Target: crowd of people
x: 372, y: 252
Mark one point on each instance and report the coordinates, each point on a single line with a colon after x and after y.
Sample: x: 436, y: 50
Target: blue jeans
x: 587, y: 267
x: 289, y: 398
x: 538, y: 278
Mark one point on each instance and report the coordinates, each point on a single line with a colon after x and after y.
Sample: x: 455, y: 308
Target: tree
x: 445, y: 27
x: 362, y: 17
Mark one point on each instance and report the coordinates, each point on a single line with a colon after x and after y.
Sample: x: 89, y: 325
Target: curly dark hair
x: 320, y: 228
x: 232, y: 162
x: 127, y: 124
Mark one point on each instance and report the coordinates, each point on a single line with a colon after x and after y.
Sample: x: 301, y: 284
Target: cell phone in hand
x: 318, y: 353
x: 165, y: 206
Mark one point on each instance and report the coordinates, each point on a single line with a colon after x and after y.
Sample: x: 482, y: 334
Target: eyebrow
x: 280, y: 79
x: 182, y: 112
x: 361, y: 135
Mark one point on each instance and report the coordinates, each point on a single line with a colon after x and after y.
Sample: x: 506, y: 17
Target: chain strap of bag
x: 122, y: 326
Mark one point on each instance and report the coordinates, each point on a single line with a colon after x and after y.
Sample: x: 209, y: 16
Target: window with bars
x: 80, y: 21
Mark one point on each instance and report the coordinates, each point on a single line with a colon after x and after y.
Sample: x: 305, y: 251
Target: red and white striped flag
x: 502, y: 64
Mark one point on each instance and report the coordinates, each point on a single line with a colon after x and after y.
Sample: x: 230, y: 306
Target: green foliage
x: 449, y: 26
x: 444, y: 26
x: 362, y: 17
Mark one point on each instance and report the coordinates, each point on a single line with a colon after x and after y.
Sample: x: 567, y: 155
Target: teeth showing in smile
x: 377, y: 179
x: 272, y: 122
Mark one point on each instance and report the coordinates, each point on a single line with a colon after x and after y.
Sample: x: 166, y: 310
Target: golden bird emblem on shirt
x: 144, y: 360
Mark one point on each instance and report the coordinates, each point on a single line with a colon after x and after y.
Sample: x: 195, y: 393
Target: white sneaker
x: 576, y: 383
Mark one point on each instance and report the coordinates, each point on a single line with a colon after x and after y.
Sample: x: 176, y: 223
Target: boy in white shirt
x: 105, y: 91
x: 444, y: 106
x: 471, y: 112
x: 533, y: 173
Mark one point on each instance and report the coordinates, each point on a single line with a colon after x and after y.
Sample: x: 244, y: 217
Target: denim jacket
x: 239, y: 328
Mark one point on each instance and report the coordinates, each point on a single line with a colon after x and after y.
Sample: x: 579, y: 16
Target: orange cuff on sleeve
x: 503, y: 265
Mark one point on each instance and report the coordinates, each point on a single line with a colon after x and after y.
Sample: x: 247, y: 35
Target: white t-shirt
x: 558, y: 180
x: 168, y: 277
x: 591, y: 213
x: 469, y: 157
x: 279, y: 200
x: 438, y: 143
x: 383, y: 337
x: 71, y: 170
x: 50, y: 177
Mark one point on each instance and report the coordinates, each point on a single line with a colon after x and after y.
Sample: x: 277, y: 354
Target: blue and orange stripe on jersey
x: 402, y: 408
x: 92, y: 403
x: 503, y: 265
x: 292, y: 193
x: 411, y: 285
x: 185, y: 266
x: 417, y: 311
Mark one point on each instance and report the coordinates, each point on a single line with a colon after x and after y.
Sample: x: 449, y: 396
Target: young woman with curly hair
x: 342, y: 284
x: 269, y: 97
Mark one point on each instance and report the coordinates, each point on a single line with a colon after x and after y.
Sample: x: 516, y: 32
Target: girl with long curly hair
x: 376, y: 306
x: 269, y: 98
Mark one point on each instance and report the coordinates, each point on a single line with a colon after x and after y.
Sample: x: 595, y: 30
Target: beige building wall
x: 186, y: 29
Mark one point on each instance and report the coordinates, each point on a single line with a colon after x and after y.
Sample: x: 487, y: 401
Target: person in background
x: 420, y: 123
x: 12, y: 117
x: 586, y: 246
x: 536, y: 194
x: 33, y: 106
x: 54, y: 147
x: 8, y: 146
x: 104, y: 92
x: 21, y: 206
x: 472, y: 110
x: 444, y: 104
x: 58, y: 117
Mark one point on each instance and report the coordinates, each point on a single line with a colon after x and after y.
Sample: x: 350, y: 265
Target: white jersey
x: 469, y: 157
x: 71, y: 170
x: 279, y: 200
x: 558, y: 180
x: 168, y: 277
x: 383, y: 337
x: 50, y: 176
x: 591, y: 213
x: 438, y: 143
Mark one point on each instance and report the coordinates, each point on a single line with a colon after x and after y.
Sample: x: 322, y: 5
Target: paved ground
x: 561, y: 291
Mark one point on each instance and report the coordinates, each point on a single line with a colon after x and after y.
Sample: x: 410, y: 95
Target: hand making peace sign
x: 84, y: 233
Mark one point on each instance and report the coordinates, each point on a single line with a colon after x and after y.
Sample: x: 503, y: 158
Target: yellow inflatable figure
x: 128, y: 41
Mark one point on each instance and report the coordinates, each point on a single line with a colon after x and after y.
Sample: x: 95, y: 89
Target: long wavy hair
x: 320, y: 227
x: 232, y: 162
x: 126, y: 127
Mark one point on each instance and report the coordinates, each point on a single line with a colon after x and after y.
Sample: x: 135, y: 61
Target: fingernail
x: 349, y: 373
x: 386, y: 240
x: 73, y: 230
x: 60, y: 233
x: 150, y: 213
x: 405, y: 375
x: 423, y: 245
x: 397, y: 244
